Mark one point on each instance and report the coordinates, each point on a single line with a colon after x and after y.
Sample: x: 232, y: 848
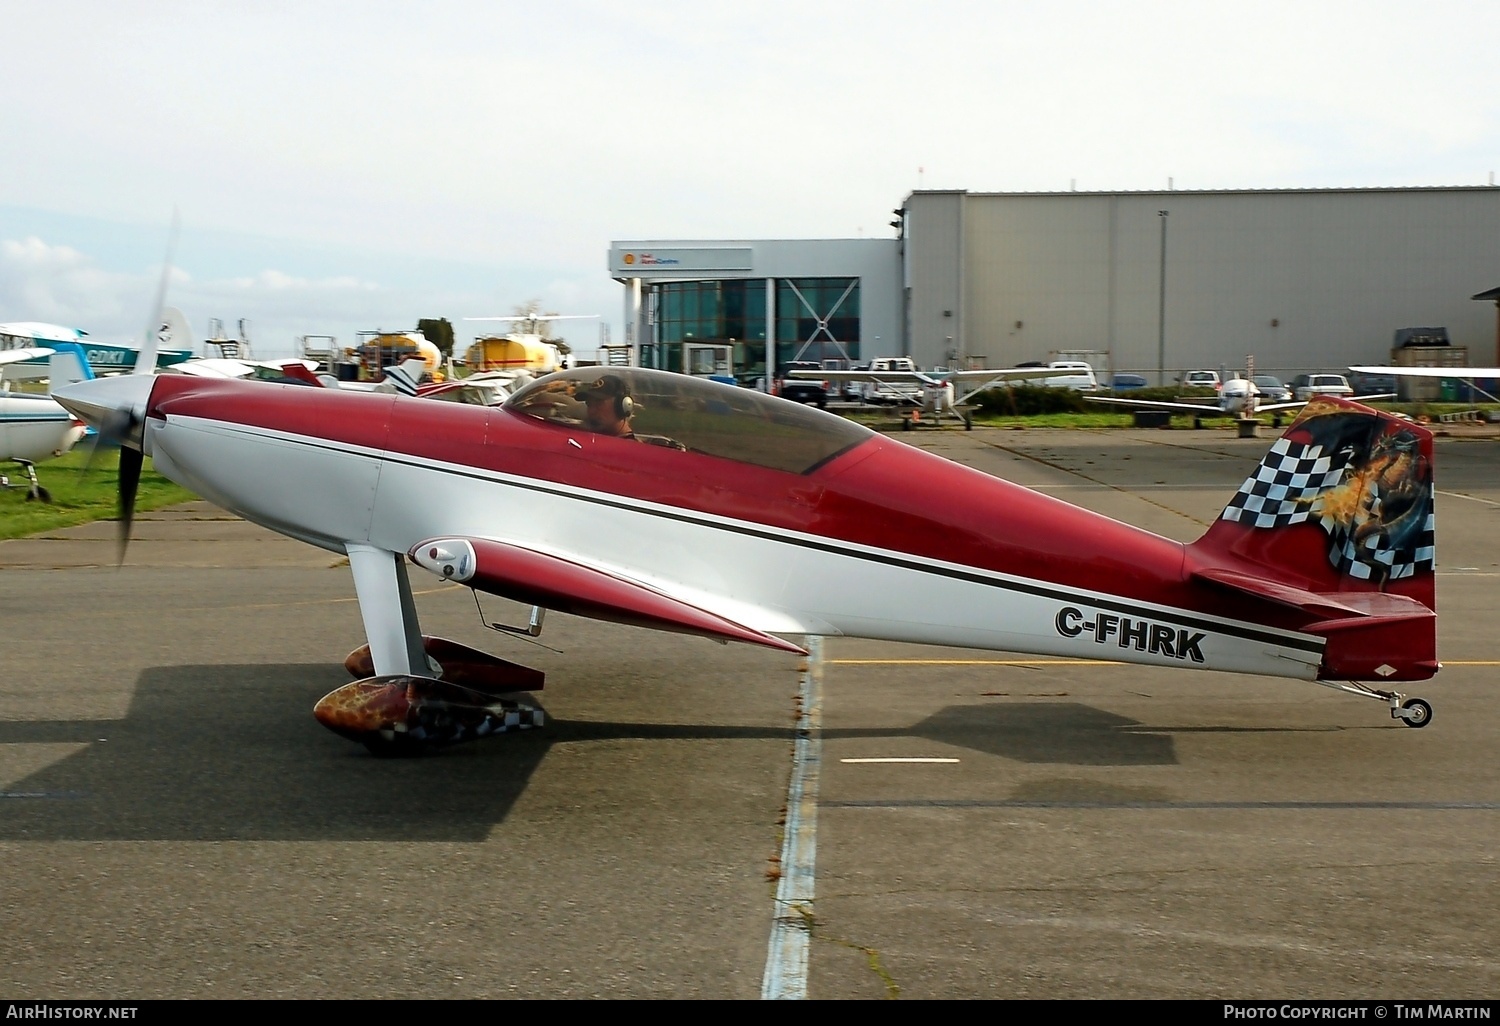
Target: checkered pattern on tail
x: 1378, y: 557
x: 1281, y: 490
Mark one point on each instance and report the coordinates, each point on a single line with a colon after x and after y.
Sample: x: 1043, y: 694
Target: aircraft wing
x: 1205, y: 410
x: 214, y: 367
x: 1007, y: 374
x: 552, y: 582
x: 11, y: 359
x: 965, y: 378
x: 17, y: 355
x: 914, y: 377
x: 970, y: 383
x: 537, y: 317
x: 1431, y: 372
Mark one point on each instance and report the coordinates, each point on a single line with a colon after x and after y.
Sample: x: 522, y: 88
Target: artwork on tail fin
x: 1360, y: 476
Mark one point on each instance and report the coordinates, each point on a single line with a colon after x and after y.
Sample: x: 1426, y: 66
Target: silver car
x: 1271, y: 389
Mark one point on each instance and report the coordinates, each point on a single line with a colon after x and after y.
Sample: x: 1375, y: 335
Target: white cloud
x: 271, y: 280
x: 43, y: 282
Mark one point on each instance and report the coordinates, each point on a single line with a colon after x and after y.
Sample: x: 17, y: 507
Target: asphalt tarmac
x: 174, y: 823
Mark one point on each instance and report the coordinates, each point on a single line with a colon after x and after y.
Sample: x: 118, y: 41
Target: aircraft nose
x: 115, y: 406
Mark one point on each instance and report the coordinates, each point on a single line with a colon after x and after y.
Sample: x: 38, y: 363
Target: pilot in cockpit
x: 607, y: 406
x: 608, y: 409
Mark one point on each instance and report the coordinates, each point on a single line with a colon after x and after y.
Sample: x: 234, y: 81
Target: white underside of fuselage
x: 767, y: 578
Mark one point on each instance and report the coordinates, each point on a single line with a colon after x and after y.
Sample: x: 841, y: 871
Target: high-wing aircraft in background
x: 1238, y: 397
x: 33, y: 427
x: 678, y: 503
x: 937, y: 394
x: 102, y: 357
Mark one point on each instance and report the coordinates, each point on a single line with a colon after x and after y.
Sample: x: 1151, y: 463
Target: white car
x: 893, y: 391
x: 1201, y: 379
x: 1082, y: 377
x: 1305, y: 386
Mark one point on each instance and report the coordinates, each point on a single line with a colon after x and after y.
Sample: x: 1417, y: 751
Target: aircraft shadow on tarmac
x: 233, y: 753
x: 1046, y: 732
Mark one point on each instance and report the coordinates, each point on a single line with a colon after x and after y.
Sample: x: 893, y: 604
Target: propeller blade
x: 130, y: 480
x: 145, y: 361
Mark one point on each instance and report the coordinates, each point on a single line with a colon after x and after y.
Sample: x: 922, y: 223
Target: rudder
x: 1337, y: 521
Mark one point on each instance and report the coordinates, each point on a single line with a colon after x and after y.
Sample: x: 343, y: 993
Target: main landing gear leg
x: 1414, y: 712
x: 390, y: 614
x: 34, y: 490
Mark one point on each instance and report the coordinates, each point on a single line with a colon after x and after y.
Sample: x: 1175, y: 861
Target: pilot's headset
x: 624, y: 405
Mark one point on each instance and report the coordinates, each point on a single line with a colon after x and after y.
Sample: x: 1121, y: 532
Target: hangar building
x: 1146, y: 282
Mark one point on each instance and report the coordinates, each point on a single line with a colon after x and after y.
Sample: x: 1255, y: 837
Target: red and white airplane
x: 689, y: 517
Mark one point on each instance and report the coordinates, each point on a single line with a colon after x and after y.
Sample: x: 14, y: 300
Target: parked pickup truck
x: 803, y: 390
x: 893, y: 391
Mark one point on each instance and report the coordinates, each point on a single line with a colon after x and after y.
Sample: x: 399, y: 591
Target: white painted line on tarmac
x: 785, y: 977
x: 1471, y: 498
x: 866, y: 761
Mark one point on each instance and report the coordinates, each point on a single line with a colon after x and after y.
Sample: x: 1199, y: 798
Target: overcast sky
x: 349, y: 166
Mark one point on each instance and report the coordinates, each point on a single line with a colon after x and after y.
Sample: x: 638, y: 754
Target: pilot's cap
x: 609, y: 386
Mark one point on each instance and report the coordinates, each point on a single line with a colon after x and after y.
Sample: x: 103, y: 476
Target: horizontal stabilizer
x: 1391, y: 647
x: 1334, y: 606
x: 554, y: 583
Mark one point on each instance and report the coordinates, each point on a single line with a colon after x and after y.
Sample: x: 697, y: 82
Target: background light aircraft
x: 1238, y: 397
x: 940, y: 393
x: 102, y: 357
x: 33, y: 427
x: 1320, y: 568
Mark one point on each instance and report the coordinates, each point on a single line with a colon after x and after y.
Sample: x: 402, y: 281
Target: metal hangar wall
x: 1161, y: 282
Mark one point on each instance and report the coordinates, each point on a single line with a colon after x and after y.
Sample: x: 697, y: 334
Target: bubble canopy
x: 701, y: 416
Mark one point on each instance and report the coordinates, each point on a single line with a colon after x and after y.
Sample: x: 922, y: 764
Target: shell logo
x: 629, y: 259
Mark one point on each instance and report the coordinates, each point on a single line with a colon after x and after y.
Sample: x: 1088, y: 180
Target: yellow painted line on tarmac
x: 1053, y: 662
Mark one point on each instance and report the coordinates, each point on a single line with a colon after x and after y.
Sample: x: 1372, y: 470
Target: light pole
x: 1161, y: 307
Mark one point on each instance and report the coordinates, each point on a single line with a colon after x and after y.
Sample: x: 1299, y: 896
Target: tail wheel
x: 1418, y: 713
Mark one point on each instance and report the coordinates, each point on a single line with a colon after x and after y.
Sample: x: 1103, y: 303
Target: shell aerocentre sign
x: 636, y: 260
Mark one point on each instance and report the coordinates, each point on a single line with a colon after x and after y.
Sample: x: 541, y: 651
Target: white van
x: 1081, y: 379
x: 893, y: 391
